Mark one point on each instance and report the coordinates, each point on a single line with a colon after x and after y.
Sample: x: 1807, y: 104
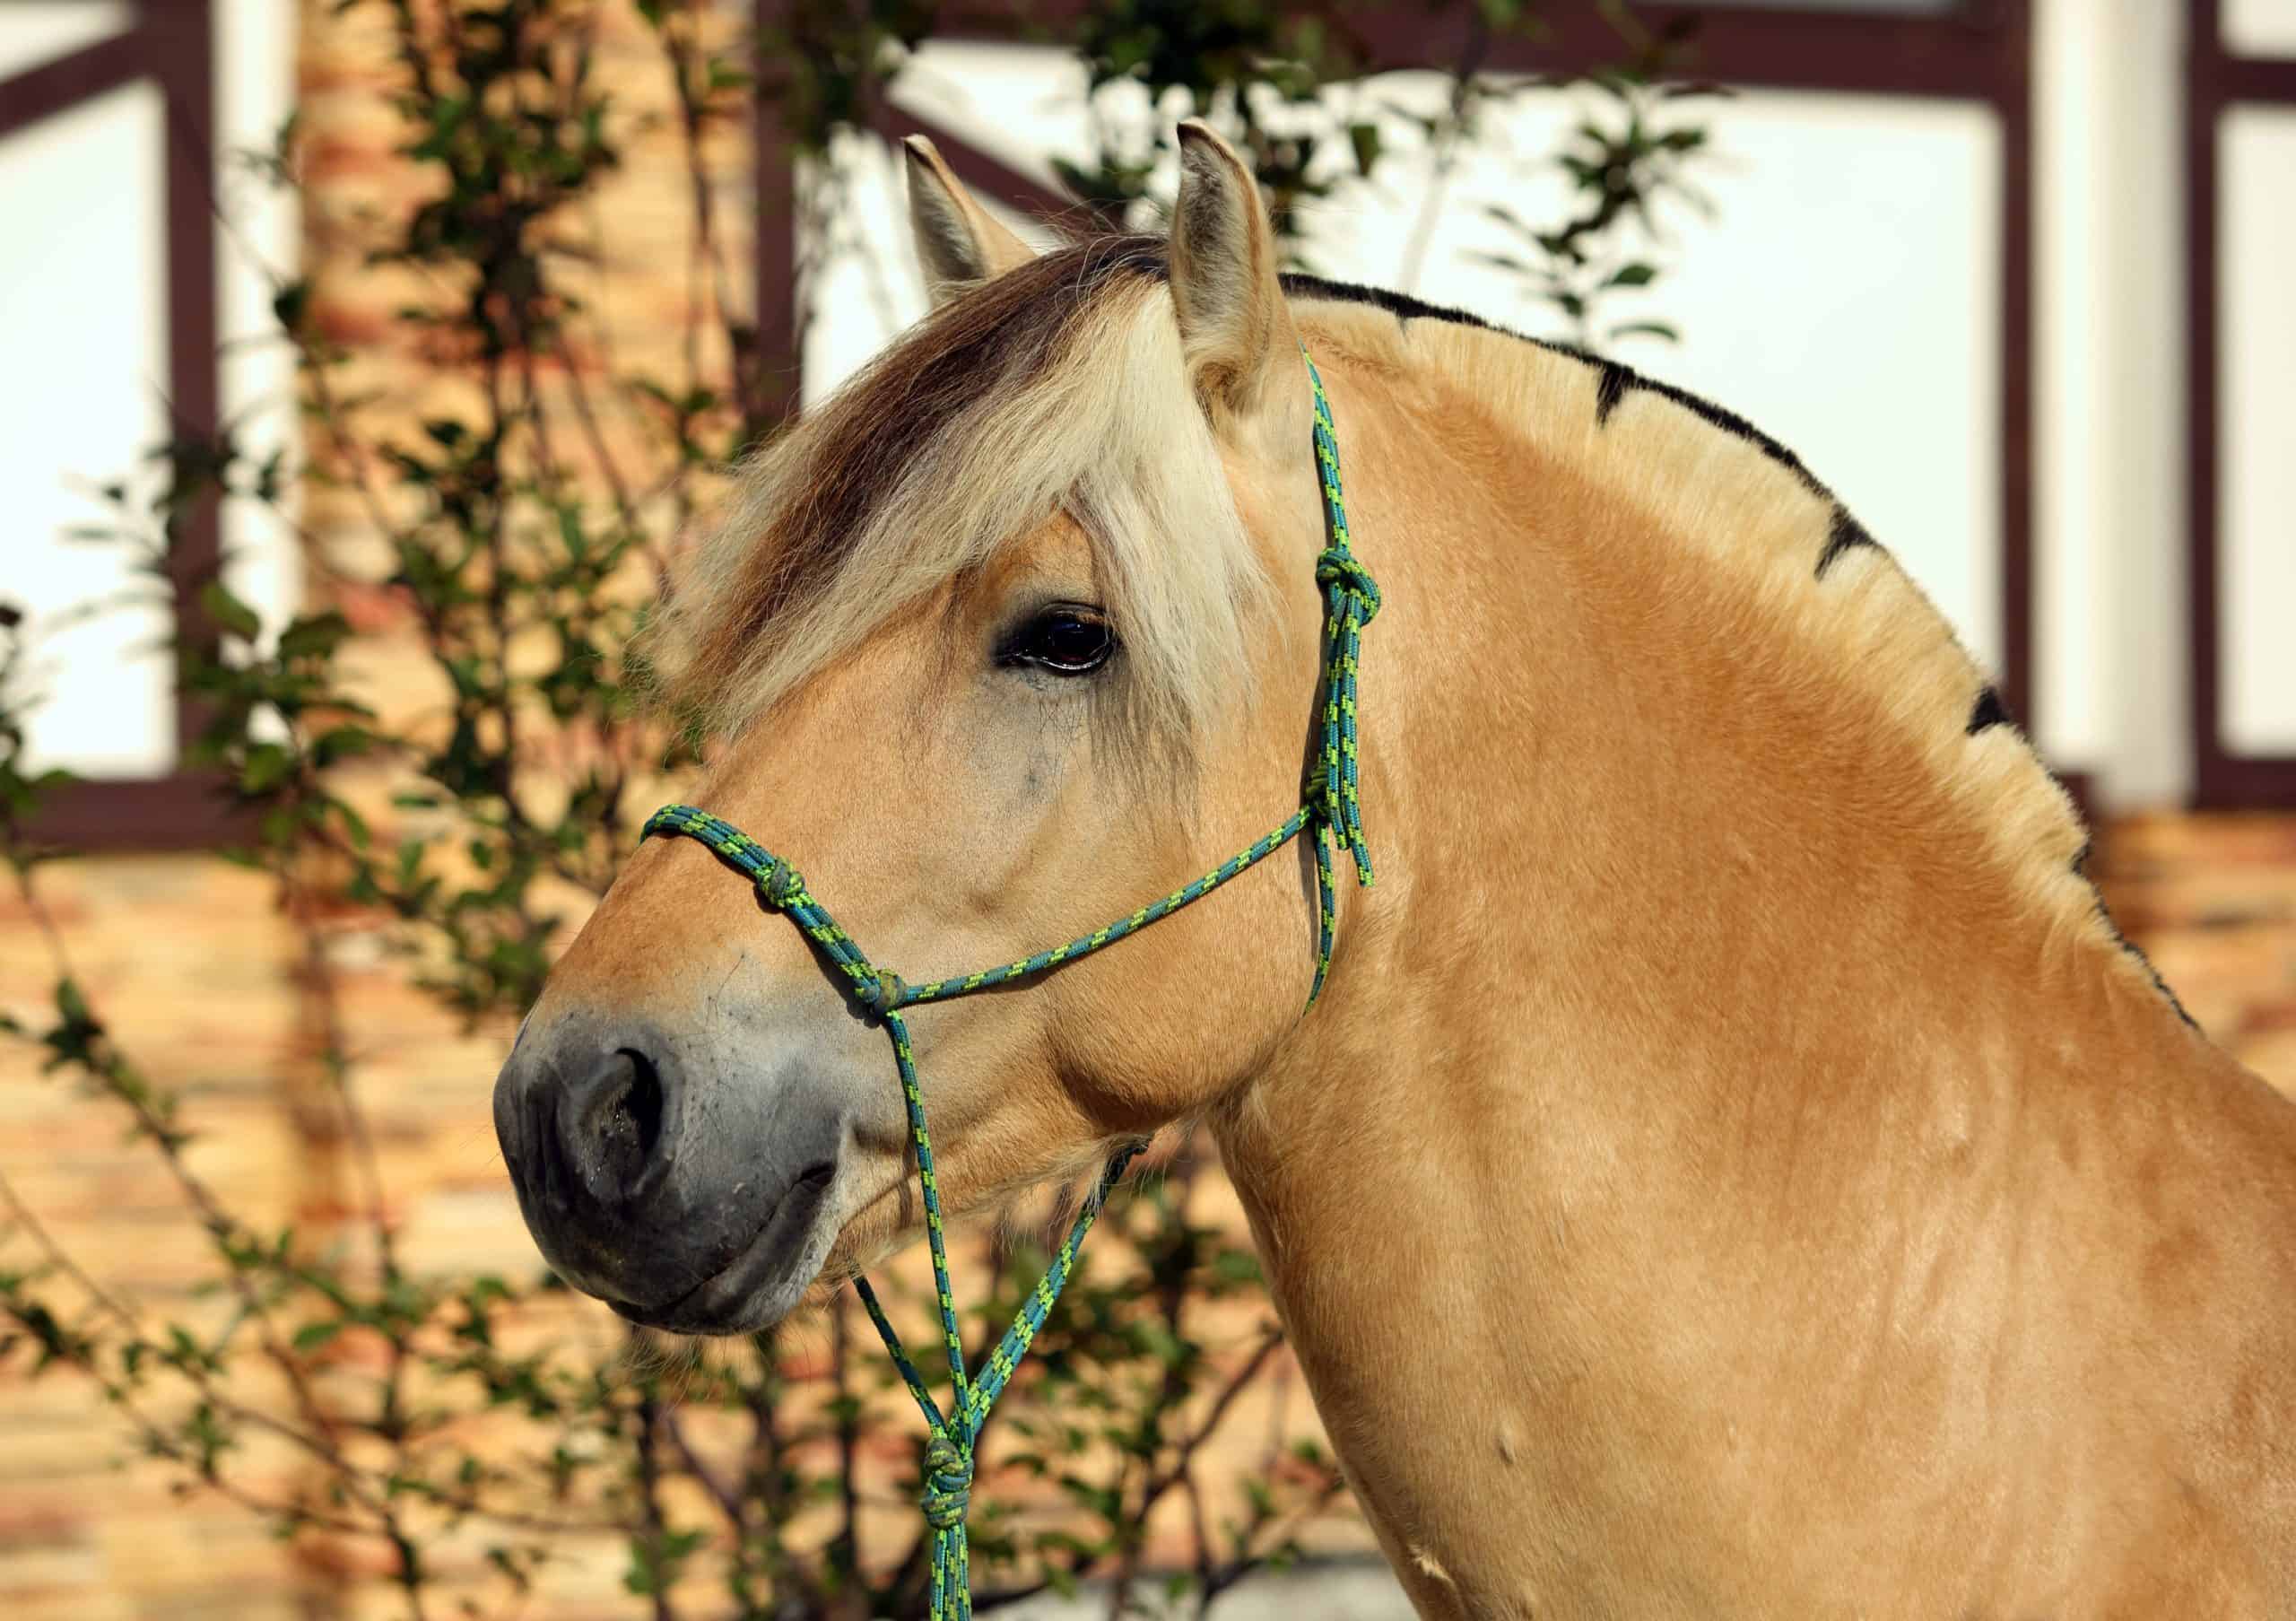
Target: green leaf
x: 71, y: 1003
x: 1236, y: 1267
x: 340, y: 743
x: 1637, y: 274
x: 291, y: 303
x: 314, y: 636
x: 354, y: 825
x: 268, y: 764
x: 311, y: 1335
x: 655, y: 1560
x: 229, y: 611
x: 1365, y: 139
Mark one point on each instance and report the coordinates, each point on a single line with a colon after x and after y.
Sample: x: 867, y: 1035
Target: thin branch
x: 649, y: 1487
x: 719, y: 1491
x: 1270, y: 1338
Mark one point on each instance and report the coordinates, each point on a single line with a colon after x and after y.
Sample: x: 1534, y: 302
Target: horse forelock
x: 1058, y: 386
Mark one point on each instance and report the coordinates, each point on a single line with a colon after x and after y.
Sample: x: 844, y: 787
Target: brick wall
x: 2213, y: 900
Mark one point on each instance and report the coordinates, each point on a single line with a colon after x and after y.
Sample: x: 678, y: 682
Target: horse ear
x: 957, y: 241
x: 1234, y: 326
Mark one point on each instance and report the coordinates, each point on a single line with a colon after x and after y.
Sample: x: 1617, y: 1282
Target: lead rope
x: 1331, y: 808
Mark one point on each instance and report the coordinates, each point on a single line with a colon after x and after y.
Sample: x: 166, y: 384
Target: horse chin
x: 768, y: 1279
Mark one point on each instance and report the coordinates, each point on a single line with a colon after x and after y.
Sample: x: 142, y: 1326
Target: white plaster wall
x: 2258, y: 28
x: 36, y: 31
x: 2110, y: 532
x: 2072, y: 336
x: 84, y: 343
x: 258, y: 252
x: 2256, y: 426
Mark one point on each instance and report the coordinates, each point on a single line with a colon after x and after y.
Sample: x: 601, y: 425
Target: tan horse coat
x: 1737, y: 1170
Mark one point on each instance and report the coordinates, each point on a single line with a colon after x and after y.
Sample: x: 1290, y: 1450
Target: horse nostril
x: 633, y: 1116
x: 614, y: 1130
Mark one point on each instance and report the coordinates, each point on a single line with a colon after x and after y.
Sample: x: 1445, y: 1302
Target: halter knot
x: 879, y: 989
x: 1346, y: 570
x: 781, y: 885
x: 948, y: 1483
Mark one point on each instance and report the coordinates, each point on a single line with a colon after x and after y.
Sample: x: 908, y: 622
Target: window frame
x: 170, y: 44
x: 2216, y: 80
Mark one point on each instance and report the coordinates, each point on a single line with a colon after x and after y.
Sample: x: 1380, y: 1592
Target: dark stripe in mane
x: 1616, y: 380
x: 1989, y: 712
x: 1845, y: 535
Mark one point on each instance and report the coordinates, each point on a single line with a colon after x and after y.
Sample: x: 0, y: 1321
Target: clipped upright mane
x: 1055, y: 387
x: 1722, y: 485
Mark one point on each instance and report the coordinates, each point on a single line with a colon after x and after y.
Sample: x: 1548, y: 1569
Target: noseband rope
x: 1330, y: 809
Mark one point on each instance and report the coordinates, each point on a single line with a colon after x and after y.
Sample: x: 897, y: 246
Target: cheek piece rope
x: 1330, y: 809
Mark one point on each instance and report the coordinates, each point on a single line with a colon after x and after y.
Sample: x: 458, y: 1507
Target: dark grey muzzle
x: 678, y: 1199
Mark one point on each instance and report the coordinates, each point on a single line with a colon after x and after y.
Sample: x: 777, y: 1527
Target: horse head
x: 1016, y: 631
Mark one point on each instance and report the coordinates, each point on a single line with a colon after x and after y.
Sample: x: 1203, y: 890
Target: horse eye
x: 1065, y: 641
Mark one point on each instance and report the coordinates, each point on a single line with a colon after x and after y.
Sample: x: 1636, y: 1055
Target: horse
x: 1735, y: 1166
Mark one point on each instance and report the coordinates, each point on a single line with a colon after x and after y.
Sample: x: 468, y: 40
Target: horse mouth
x: 764, y: 1280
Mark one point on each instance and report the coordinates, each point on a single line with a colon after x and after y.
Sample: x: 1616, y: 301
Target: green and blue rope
x: 1332, y: 810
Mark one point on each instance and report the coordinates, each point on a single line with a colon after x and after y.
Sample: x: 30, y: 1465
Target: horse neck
x: 1688, y: 907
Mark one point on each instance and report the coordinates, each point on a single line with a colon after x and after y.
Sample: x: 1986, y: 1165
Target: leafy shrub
x: 520, y: 533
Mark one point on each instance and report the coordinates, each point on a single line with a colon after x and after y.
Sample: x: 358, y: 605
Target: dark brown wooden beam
x: 58, y: 86
x: 1852, y: 53
x: 2214, y: 81
x: 187, y: 811
x: 182, y: 43
x: 2008, y: 91
x: 2270, y: 80
x: 2216, y: 781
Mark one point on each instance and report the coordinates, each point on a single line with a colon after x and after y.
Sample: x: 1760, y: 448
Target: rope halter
x: 1330, y: 808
